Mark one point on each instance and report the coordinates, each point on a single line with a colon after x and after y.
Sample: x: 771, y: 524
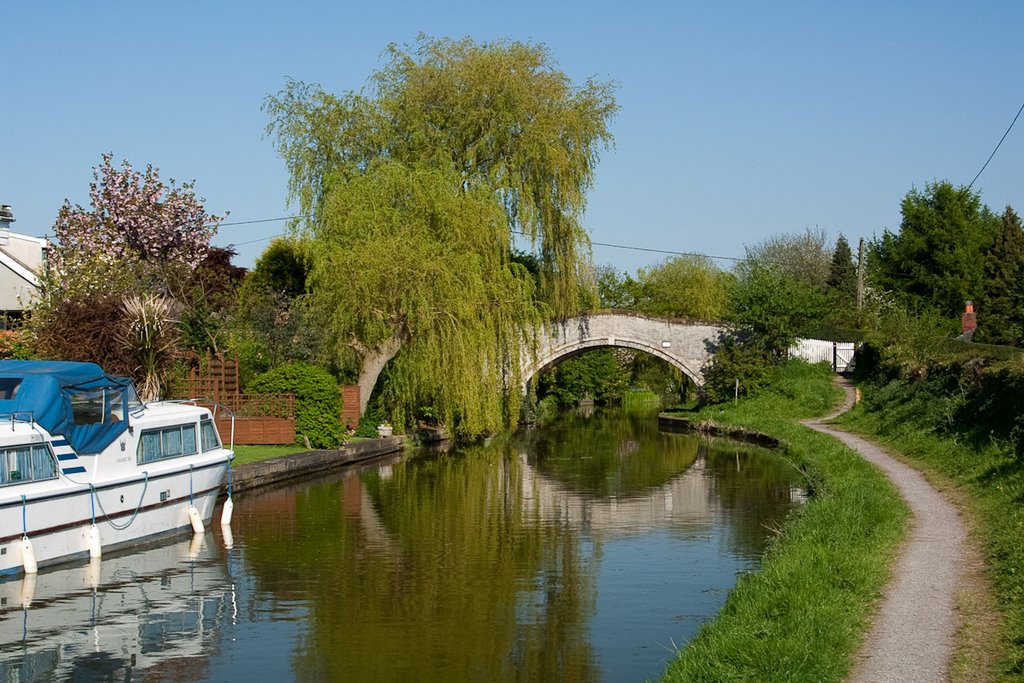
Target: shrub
x: 373, y: 416
x: 317, y: 401
x: 13, y: 344
x: 84, y: 329
x: 736, y: 360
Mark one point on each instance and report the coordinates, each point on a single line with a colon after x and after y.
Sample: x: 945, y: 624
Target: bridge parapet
x: 686, y: 345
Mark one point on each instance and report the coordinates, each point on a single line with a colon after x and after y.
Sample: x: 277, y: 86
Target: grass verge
x: 913, y: 418
x: 803, y: 614
x: 247, y: 454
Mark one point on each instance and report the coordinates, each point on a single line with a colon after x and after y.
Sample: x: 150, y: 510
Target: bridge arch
x: 686, y: 345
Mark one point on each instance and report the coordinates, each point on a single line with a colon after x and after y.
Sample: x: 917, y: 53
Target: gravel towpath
x: 912, y: 636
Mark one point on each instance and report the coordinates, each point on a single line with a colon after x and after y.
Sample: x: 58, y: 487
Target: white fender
x: 28, y: 556
x: 225, y: 514
x: 197, y: 521
x: 95, y: 547
x: 93, y: 572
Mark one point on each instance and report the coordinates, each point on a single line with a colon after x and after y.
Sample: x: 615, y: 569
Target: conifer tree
x: 937, y: 259
x: 842, y: 275
x: 1001, y: 309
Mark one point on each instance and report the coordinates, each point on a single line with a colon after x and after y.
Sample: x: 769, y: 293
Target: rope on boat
x: 28, y: 554
x: 227, y: 511
x: 122, y: 527
x: 229, y: 478
x: 194, y: 517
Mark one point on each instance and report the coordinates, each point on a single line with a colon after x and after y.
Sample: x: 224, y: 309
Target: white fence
x: 837, y: 354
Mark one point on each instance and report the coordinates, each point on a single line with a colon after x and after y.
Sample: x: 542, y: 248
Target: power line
x: 599, y: 244
x: 650, y: 250
x: 627, y: 247
x: 997, y: 146
x: 260, y: 220
x: 253, y: 222
x: 260, y: 239
x: 666, y: 251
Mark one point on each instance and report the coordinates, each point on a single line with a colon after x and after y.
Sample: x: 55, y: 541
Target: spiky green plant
x: 150, y: 334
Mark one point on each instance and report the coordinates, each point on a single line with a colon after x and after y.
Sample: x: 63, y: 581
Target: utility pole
x: 860, y: 275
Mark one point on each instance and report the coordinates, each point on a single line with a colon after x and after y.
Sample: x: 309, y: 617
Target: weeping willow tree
x: 509, y: 145
x: 402, y: 257
x: 499, y: 116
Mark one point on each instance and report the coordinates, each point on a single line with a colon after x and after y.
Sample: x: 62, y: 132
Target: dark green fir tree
x: 842, y: 276
x: 1001, y: 308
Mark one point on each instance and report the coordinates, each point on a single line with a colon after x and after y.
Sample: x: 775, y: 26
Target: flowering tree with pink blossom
x: 139, y: 233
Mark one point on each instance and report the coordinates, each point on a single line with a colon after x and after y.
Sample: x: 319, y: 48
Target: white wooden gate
x: 837, y: 354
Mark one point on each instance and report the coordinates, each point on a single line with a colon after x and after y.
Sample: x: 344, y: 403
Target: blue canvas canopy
x: 78, y: 401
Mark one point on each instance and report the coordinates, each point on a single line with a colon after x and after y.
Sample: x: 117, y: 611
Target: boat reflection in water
x: 151, y: 611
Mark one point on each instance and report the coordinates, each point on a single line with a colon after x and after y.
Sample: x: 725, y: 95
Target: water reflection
x: 153, y: 611
x: 579, y: 552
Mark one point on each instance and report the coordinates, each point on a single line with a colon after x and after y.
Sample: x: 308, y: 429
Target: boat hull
x: 58, y: 519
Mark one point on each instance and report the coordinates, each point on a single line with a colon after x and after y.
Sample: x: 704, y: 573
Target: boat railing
x: 25, y: 416
x: 213, y: 405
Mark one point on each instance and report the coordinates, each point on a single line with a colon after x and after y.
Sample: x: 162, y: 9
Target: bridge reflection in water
x: 578, y: 552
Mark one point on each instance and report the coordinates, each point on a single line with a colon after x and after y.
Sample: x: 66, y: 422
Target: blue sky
x: 739, y: 120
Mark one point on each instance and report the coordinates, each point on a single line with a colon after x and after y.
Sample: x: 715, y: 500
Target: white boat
x: 86, y: 467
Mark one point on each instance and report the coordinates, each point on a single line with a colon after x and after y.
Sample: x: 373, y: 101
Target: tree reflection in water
x: 483, y: 563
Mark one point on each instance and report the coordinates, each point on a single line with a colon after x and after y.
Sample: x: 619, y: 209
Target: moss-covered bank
x: 803, y: 614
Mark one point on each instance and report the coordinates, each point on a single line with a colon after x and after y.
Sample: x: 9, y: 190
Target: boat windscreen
x: 98, y: 415
x: 76, y: 400
x: 9, y: 388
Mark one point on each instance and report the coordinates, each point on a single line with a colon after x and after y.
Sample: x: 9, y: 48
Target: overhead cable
x: 997, y: 146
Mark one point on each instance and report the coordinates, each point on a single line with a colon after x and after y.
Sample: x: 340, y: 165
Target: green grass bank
x: 247, y: 454
x: 962, y: 418
x: 803, y: 614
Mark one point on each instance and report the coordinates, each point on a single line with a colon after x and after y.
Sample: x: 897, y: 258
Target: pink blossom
x: 134, y: 218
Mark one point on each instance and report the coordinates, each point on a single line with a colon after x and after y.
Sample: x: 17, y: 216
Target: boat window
x: 134, y: 402
x: 169, y: 442
x: 211, y: 441
x: 115, y: 401
x: 97, y: 406
x: 9, y: 388
x: 87, y: 406
x: 188, y: 439
x: 20, y: 464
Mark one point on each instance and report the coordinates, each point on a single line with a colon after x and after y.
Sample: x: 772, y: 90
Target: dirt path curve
x: 912, y: 637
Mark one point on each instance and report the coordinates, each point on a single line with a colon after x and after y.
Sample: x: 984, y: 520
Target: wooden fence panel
x: 263, y: 431
x: 350, y: 406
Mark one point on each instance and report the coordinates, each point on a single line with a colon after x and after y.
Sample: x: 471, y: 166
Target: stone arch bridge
x: 686, y: 345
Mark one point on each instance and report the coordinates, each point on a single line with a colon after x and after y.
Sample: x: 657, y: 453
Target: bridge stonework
x: 687, y: 345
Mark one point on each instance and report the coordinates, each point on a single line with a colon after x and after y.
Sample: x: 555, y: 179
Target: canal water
x: 587, y: 550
